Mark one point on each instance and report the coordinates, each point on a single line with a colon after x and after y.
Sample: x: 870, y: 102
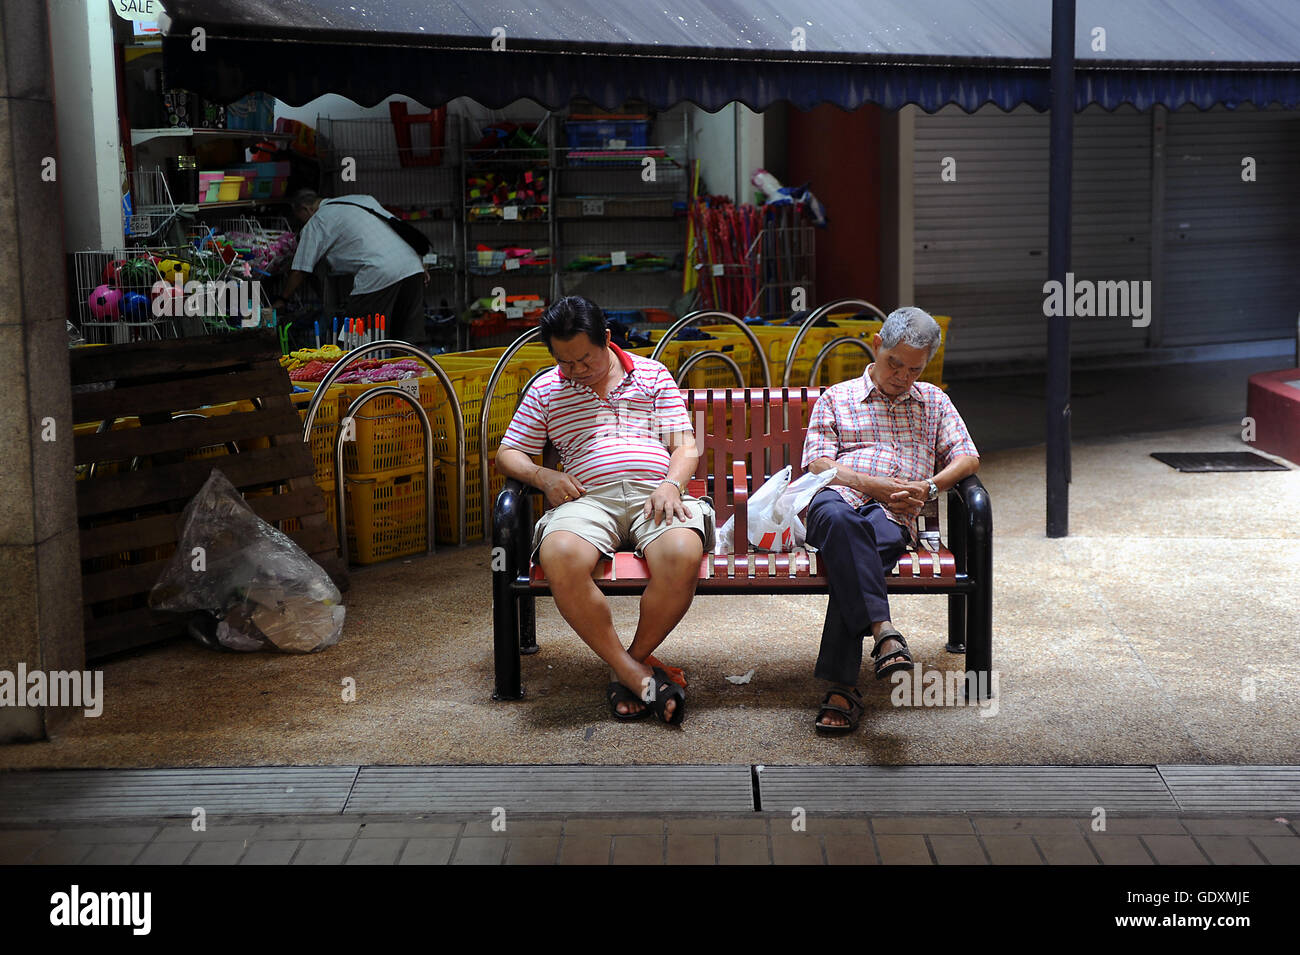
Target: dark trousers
x: 401, y: 304
x: 854, y: 547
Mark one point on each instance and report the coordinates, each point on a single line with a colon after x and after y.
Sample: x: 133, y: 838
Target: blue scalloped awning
x: 930, y: 53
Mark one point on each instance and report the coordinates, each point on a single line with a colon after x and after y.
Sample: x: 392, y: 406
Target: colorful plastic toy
x: 135, y: 307
x: 104, y: 302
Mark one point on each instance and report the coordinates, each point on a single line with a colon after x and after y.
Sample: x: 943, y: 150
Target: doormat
x: 1192, y: 461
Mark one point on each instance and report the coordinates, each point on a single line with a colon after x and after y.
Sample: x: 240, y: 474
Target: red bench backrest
x: 764, y: 429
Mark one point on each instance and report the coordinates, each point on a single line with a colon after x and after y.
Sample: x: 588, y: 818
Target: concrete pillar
x: 85, y: 75
x: 40, y: 602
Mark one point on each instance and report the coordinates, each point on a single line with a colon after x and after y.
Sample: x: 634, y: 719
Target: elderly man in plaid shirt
x: 894, y: 443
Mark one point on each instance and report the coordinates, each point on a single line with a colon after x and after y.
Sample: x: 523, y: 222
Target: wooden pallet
x: 129, y: 509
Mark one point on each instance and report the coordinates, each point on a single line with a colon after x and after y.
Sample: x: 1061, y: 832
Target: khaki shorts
x: 609, y: 516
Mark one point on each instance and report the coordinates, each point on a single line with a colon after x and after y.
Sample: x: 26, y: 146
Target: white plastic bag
x: 773, y: 512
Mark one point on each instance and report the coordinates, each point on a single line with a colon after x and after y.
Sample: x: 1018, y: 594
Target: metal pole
x: 814, y: 316
x: 340, y: 495
x: 1058, y: 263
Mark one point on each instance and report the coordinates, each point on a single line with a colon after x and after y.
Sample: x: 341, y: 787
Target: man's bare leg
x: 674, y: 559
x: 568, y: 562
x: 838, y: 719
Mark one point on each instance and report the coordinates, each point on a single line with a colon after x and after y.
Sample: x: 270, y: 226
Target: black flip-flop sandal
x: 903, y: 656
x: 665, y: 690
x: 617, y: 693
x: 853, y: 712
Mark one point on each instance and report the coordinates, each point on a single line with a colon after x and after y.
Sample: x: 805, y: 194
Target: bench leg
x: 528, y: 625
x: 956, y: 624
x: 505, y: 643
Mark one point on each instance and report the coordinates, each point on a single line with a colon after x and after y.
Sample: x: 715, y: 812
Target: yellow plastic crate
x: 444, y: 497
x: 712, y: 373
x: 772, y: 338
x: 385, y: 512
x: 324, y: 429
x: 531, y: 359
x: 469, y: 376
x: 388, y: 434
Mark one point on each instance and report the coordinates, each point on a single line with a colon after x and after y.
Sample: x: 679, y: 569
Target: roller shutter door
x: 1231, y: 247
x: 980, y: 249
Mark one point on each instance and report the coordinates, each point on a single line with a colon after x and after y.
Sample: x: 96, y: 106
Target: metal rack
x: 610, y: 206
x: 528, y: 224
x: 148, y: 211
x: 783, y: 257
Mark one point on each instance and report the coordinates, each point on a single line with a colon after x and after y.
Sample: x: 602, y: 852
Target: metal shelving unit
x: 499, y: 225
x: 607, y: 206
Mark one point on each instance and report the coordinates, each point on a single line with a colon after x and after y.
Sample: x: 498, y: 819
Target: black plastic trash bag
x: 252, y: 586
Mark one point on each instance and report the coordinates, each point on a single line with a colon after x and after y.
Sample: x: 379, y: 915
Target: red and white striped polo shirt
x: 601, y: 440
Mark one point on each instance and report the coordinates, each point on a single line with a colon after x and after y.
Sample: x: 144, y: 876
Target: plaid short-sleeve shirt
x: 911, y: 437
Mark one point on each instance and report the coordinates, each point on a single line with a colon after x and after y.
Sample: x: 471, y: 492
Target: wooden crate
x: 129, y: 519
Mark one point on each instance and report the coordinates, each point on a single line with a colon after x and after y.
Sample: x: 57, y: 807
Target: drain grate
x: 553, y: 789
x: 892, y: 789
x: 1207, y: 461
x: 1255, y: 789
x: 111, y: 793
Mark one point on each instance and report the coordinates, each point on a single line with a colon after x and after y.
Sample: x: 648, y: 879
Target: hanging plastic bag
x: 773, y: 512
x: 253, y: 587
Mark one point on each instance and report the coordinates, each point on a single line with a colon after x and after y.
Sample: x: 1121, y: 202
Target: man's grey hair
x: 911, y: 326
x: 303, y: 199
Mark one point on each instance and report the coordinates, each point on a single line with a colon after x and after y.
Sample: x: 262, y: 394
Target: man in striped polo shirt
x: 627, y: 448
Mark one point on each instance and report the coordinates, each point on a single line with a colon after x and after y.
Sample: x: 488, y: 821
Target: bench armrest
x: 970, y: 518
x: 512, y: 529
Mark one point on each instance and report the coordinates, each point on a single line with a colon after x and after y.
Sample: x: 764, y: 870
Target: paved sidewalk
x: 681, y: 839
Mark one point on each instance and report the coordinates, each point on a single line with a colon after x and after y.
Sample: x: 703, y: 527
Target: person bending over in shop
x: 894, y: 443
x: 352, y: 236
x: 627, y: 447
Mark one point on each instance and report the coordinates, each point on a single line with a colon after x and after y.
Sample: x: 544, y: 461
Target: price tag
x: 512, y: 264
x: 618, y: 258
x: 593, y: 207
x: 718, y: 269
x: 514, y: 311
x: 618, y: 144
x: 510, y: 212
x: 411, y: 386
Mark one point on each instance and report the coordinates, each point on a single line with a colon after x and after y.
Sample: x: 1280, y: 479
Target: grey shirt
x: 354, y: 241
